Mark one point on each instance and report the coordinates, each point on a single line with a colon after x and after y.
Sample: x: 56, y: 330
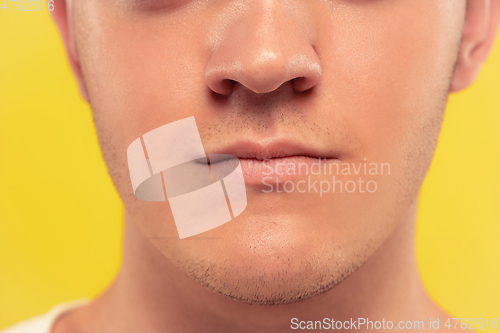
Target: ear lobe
x: 62, y: 18
x: 479, y: 35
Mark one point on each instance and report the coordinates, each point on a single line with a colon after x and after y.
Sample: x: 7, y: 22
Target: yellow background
x: 60, y: 217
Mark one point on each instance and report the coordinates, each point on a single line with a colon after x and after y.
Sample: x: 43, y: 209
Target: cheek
x: 143, y: 77
x: 389, y: 74
x: 140, y: 75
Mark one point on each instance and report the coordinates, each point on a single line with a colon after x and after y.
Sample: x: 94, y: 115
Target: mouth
x: 274, y: 161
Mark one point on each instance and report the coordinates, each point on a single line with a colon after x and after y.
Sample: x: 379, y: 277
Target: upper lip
x: 271, y: 149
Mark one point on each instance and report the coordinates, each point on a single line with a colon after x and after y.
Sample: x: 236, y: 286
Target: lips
x: 276, y: 160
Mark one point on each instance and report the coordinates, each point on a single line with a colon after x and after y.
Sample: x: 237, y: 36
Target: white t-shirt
x: 43, y: 323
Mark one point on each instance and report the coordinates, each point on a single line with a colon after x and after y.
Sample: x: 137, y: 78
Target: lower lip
x: 261, y: 172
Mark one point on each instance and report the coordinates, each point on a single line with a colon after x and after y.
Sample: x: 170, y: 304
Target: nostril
x: 227, y: 86
x: 223, y: 87
x: 298, y: 83
x: 303, y: 84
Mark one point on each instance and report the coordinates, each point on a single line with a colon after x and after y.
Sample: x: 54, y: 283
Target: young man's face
x: 363, y: 82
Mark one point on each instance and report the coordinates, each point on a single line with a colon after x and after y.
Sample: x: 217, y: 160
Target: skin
x: 359, y: 80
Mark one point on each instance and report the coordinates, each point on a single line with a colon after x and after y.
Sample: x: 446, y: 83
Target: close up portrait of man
x: 322, y: 118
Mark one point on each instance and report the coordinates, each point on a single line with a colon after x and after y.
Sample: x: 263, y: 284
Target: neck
x: 152, y: 295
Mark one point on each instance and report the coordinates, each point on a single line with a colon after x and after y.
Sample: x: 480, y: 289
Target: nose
x: 262, y: 48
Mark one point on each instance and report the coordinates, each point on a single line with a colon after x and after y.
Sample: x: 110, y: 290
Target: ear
x: 479, y: 35
x: 62, y: 16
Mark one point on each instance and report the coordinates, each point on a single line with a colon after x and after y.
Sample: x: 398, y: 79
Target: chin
x: 282, y: 280
x: 271, y: 261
